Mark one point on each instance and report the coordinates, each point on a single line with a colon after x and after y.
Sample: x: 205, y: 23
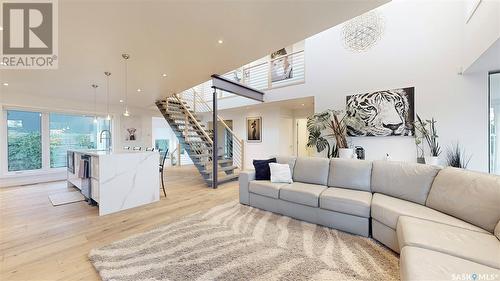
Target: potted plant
x: 325, y: 126
x: 428, y: 131
x: 456, y: 157
x: 420, y: 149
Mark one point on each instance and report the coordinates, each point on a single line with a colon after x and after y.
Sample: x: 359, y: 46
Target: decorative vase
x: 432, y: 160
x: 346, y: 153
x: 420, y: 160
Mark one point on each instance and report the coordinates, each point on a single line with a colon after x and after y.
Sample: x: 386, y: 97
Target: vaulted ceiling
x: 178, y: 38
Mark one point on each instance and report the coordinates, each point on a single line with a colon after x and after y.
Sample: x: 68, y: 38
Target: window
x: 161, y: 144
x: 24, y: 140
x: 74, y: 132
x: 494, y: 122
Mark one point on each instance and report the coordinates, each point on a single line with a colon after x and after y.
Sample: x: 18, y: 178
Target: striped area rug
x: 237, y: 242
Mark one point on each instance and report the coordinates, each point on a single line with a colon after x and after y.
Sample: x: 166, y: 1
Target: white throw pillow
x: 280, y: 173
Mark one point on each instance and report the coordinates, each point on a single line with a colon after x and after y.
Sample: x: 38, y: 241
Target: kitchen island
x: 115, y: 180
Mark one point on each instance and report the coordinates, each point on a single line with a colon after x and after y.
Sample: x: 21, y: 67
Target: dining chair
x: 126, y: 148
x: 150, y: 149
x: 137, y: 148
x: 162, y: 166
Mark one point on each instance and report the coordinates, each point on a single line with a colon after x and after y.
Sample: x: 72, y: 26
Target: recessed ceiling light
x: 1, y: 28
x: 164, y: 75
x: 302, y: 104
x: 139, y: 90
x: 220, y: 41
x: 121, y: 101
x: 6, y: 84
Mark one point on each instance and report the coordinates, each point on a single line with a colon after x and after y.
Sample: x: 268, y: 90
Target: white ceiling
x: 178, y: 38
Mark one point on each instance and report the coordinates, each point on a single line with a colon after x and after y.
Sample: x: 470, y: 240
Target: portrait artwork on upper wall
x: 382, y: 113
x: 281, y: 65
x: 254, y: 129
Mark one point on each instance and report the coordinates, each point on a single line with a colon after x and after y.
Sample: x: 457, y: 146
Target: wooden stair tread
x: 221, y: 169
x: 225, y: 178
x: 220, y: 161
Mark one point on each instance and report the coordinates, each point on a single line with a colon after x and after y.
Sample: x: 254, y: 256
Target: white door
x: 301, y: 138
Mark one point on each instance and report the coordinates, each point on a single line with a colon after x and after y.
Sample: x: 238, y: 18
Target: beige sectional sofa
x: 444, y: 223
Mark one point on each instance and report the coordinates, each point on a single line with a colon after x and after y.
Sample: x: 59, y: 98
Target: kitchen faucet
x: 105, y: 135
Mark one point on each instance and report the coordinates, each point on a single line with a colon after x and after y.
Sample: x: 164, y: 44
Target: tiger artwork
x: 383, y: 113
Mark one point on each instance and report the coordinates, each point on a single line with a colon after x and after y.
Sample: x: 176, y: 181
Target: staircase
x: 181, y: 113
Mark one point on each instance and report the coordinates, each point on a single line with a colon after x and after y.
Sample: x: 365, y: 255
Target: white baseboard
x: 32, y: 178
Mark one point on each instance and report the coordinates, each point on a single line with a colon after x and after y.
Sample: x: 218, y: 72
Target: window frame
x: 45, y: 133
x: 488, y: 119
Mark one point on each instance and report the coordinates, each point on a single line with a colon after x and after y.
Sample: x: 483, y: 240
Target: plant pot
x: 346, y: 153
x: 432, y: 160
x: 420, y: 160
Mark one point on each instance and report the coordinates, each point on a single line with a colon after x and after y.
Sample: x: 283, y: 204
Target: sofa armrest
x: 244, y: 180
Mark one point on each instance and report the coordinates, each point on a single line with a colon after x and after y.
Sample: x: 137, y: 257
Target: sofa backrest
x: 350, y: 173
x: 497, y: 230
x: 290, y: 160
x: 311, y: 170
x: 471, y: 196
x: 408, y: 181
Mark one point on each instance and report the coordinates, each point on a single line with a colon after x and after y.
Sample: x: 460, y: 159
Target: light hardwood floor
x: 42, y: 242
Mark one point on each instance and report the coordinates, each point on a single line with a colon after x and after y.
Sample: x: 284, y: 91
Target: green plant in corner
x: 325, y: 126
x: 456, y: 157
x: 429, y: 133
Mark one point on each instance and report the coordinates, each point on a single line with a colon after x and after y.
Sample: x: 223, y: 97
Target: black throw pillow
x: 262, y: 170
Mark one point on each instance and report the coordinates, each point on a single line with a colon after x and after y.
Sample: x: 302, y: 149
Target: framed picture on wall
x: 254, y: 129
x: 382, y: 113
x: 131, y: 129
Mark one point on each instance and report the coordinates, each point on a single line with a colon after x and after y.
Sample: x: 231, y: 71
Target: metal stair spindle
x: 181, y: 114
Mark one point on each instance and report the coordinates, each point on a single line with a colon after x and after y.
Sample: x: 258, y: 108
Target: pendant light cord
x: 95, y: 102
x: 107, y: 93
x: 126, y: 57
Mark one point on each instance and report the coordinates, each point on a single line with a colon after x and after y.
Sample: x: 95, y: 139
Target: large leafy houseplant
x: 327, y: 126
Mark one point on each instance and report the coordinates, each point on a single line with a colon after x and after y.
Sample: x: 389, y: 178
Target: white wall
x: 161, y: 130
x: 481, y: 30
x: 277, y: 130
x: 422, y: 48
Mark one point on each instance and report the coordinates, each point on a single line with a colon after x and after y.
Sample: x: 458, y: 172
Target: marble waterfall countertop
x: 121, y: 179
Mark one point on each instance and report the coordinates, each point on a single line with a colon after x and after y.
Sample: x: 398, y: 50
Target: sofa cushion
x: 409, y: 181
x: 262, y: 171
x: 302, y: 193
x: 352, y: 202
x: 280, y: 173
x: 290, y: 160
x: 311, y: 170
x: 423, y: 264
x: 471, y: 196
x: 497, y: 230
x: 350, y: 173
x: 265, y: 188
x: 387, y: 210
x: 479, y: 247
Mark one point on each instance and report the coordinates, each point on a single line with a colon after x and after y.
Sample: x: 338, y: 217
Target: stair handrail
x: 240, y: 142
x: 194, y: 119
x: 172, y: 156
x: 196, y: 95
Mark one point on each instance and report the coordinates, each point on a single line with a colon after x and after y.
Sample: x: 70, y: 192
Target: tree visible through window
x: 24, y: 140
x: 73, y: 132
